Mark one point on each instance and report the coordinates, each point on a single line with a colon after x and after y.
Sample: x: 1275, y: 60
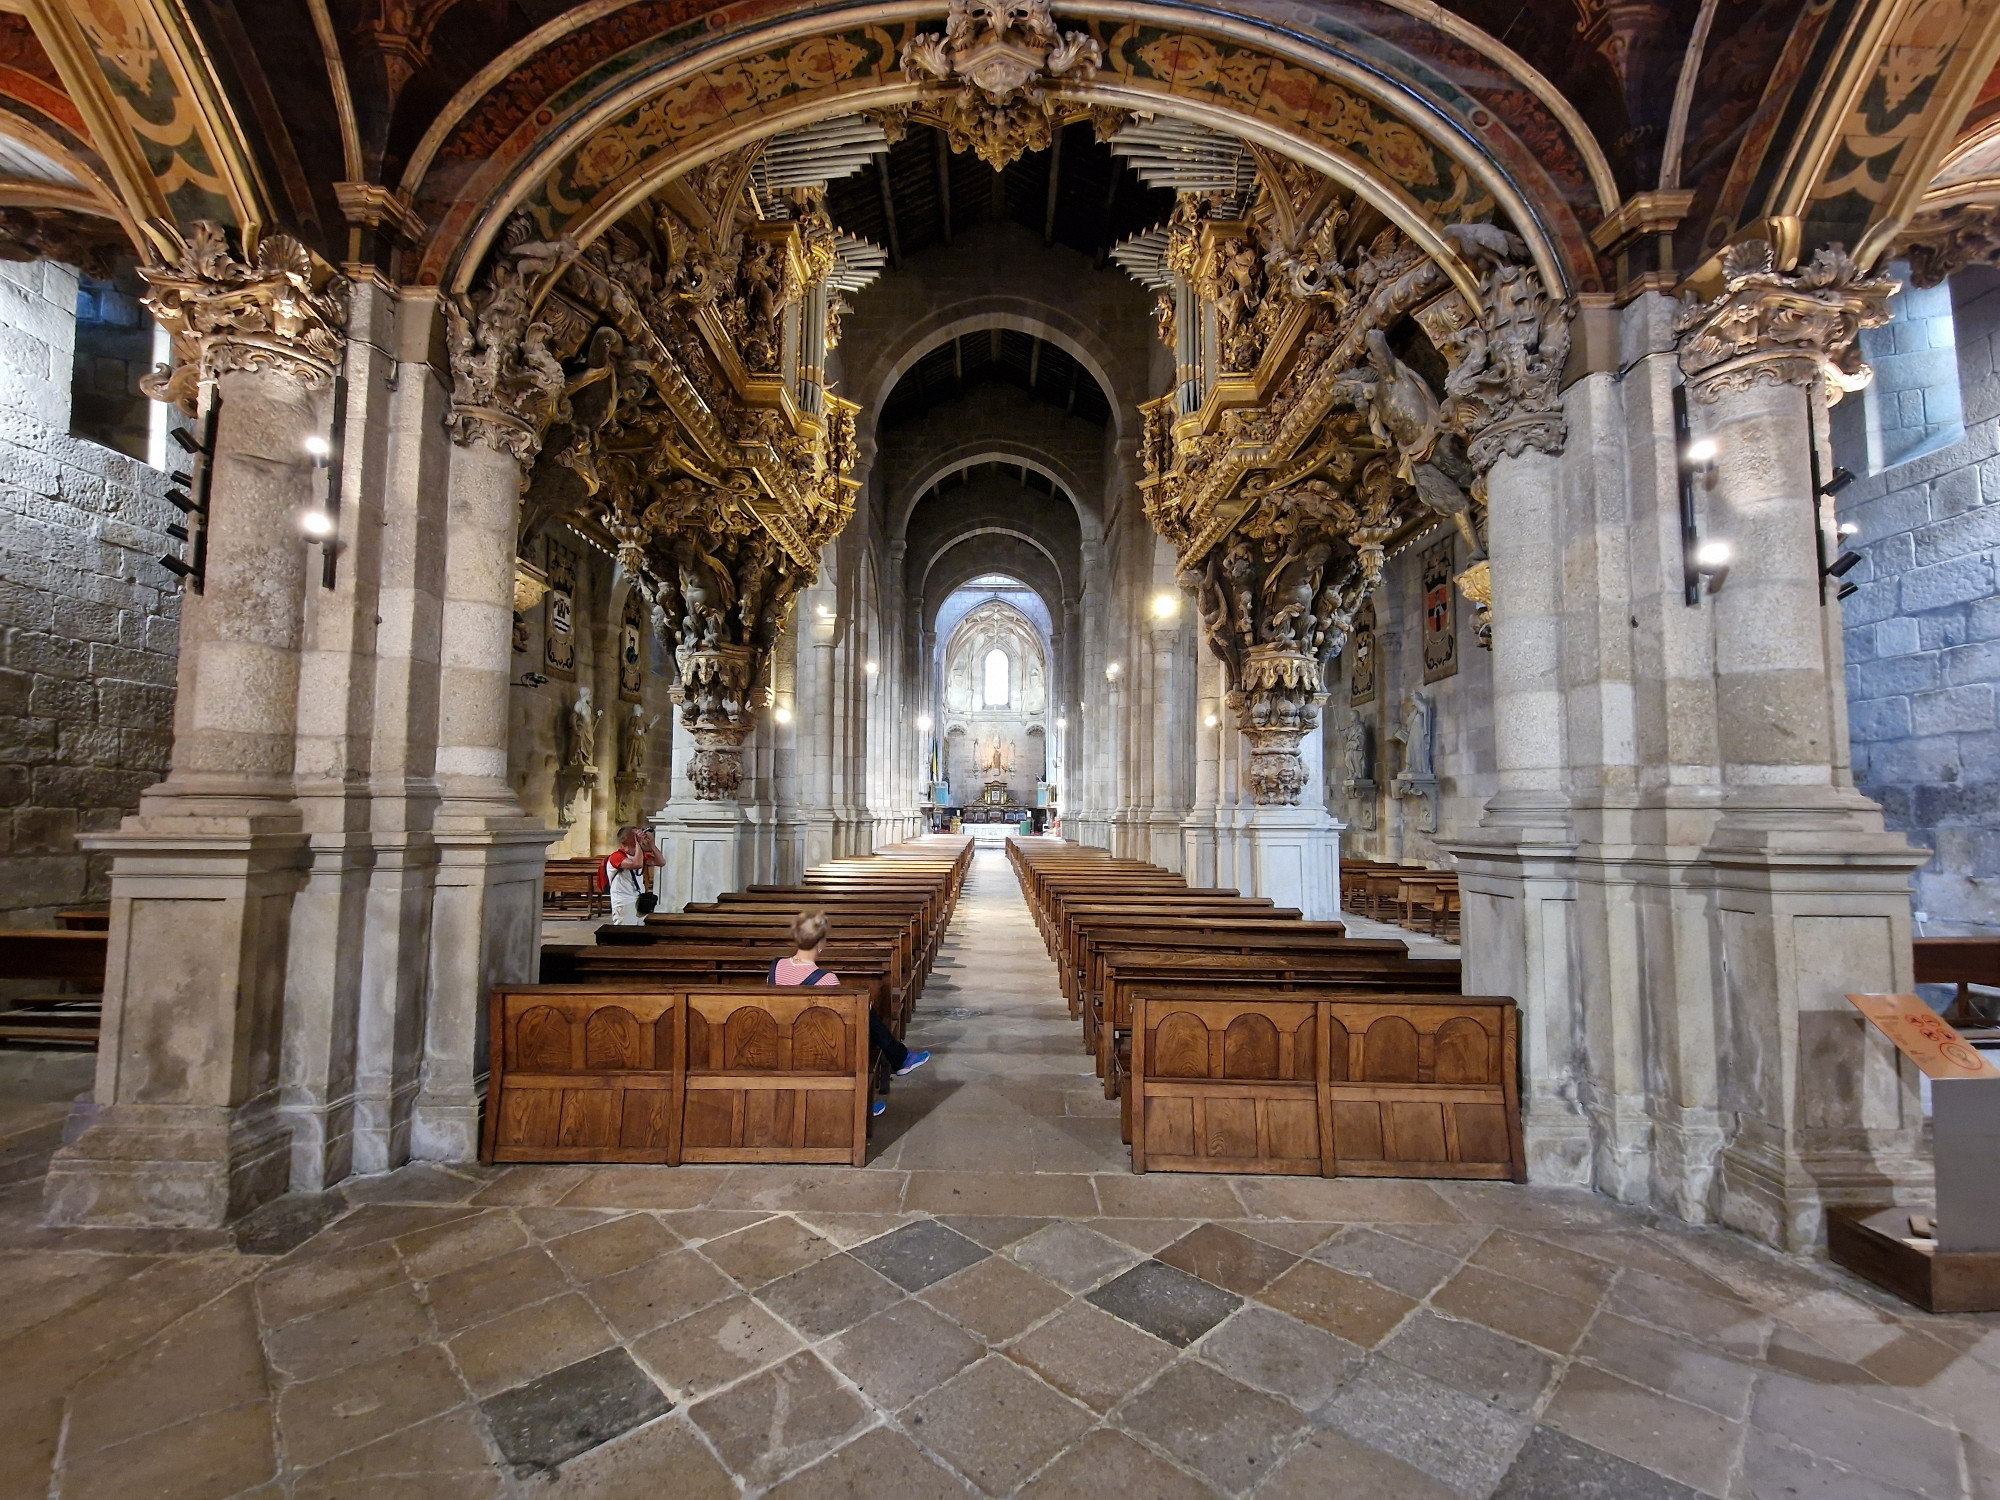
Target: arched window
x: 996, y: 679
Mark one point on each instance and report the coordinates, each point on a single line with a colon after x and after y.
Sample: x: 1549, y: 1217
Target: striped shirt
x: 791, y: 971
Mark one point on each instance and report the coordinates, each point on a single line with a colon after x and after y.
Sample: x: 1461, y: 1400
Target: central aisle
x: 1009, y: 1087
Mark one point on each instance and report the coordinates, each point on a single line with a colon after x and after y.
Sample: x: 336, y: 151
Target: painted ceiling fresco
x: 1832, y: 111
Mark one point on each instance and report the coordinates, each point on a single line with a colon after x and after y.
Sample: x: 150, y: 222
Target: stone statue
x: 1354, y: 739
x: 635, y: 737
x: 1414, y: 733
x: 580, y: 753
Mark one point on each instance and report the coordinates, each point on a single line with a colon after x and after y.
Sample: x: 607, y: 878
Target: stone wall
x: 1922, y: 632
x: 88, y: 617
x: 1462, y: 737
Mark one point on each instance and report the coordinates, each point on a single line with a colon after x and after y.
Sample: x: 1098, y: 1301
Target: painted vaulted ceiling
x: 1626, y: 137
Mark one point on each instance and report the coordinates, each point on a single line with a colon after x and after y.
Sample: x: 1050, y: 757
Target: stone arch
x: 1071, y: 334
x: 1048, y: 465
x: 1020, y: 557
x: 1390, y: 127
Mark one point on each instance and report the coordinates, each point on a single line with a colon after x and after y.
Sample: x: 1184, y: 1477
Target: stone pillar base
x: 486, y: 929
x: 1292, y: 855
x: 152, y: 1167
x: 702, y: 844
x: 185, y: 1133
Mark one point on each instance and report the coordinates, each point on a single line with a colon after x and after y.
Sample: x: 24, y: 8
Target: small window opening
x: 117, y: 343
x: 996, y: 678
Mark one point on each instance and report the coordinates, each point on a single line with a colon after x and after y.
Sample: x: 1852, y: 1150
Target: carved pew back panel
x: 1230, y: 1087
x: 1339, y: 1085
x: 777, y: 1076
x: 584, y: 1073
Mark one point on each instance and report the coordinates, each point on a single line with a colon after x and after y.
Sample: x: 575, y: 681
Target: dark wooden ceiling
x: 900, y: 203
x: 996, y: 356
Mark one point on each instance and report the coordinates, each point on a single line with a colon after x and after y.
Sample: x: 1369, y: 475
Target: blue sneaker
x: 913, y: 1062
x: 879, y: 1108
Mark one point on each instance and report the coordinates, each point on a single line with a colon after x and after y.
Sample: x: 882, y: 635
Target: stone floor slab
x: 1091, y: 1356
x: 902, y: 1353
x: 921, y: 1253
x: 782, y: 1420
x: 996, y: 1299
x: 881, y: 1464
x: 1459, y: 1440
x: 1166, y: 1302
x: 1551, y: 1463
x: 777, y: 1247
x: 1227, y: 1259
x: 714, y: 1347
x: 1267, y: 1350
x: 1349, y: 1307
x: 1073, y: 1257
x: 996, y: 1424
x: 830, y: 1295
x: 570, y: 1411
x: 1226, y: 1432
x: 1107, y: 1464
x: 1687, y: 1443
x: 1473, y: 1359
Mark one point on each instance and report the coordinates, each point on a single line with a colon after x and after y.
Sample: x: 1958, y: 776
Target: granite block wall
x: 1922, y: 631
x: 89, y: 620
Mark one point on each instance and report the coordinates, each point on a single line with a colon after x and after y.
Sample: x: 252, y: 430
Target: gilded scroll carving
x: 656, y: 386
x: 988, y: 77
x: 1942, y: 241
x: 1347, y: 397
x: 282, y: 309
x: 1771, y: 327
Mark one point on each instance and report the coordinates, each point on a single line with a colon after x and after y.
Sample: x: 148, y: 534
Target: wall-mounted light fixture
x: 1694, y: 460
x: 782, y: 715
x: 1211, y: 721
x: 871, y: 668
x: 1166, y: 606
x: 531, y: 680
x: 189, y: 496
x: 321, y: 522
x: 1062, y: 723
x: 1111, y: 670
x: 924, y: 723
x: 1848, y: 529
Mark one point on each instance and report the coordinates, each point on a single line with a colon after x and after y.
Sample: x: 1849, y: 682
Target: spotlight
x: 782, y: 715
x: 822, y: 611
x: 1165, y: 606
x: 1848, y: 528
x: 1111, y: 670
x: 1845, y: 589
x: 1842, y: 565
x: 184, y: 440
x: 318, y: 447
x: 1062, y: 723
x: 1701, y: 452
x: 871, y: 668
x: 1211, y: 721
x: 1712, y: 556
x: 316, y: 524
x: 924, y: 722
x: 1842, y: 478
x: 533, y: 680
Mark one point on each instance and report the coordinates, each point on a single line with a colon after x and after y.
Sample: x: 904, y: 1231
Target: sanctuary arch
x: 1382, y: 319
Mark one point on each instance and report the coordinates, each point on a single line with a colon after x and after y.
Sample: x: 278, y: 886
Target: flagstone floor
x: 994, y: 1306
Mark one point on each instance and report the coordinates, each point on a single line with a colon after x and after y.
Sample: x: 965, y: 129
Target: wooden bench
x: 1963, y: 961
x: 65, y: 1018
x: 570, y: 885
x: 1328, y: 1085
x: 602, y: 1074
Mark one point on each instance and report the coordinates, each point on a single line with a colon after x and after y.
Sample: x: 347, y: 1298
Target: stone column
x: 1810, y: 894
x: 1519, y: 934
x: 486, y: 908
x: 186, y: 1131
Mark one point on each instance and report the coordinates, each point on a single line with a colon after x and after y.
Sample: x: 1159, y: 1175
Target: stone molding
x: 1771, y: 327
x: 284, y: 311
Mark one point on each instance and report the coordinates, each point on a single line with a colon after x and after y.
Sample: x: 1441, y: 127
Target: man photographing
x: 624, y: 875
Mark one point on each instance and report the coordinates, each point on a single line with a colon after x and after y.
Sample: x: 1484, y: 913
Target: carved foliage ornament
x: 1942, y: 241
x: 283, y: 310
x: 506, y: 384
x: 1769, y: 327
x: 989, y: 74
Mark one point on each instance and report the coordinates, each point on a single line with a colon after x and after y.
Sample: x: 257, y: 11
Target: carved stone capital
x: 1944, y: 240
x: 1505, y: 393
x: 1769, y: 327
x: 285, y: 311
x: 507, y: 385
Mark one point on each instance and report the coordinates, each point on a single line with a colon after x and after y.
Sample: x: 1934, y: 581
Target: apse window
x: 117, y: 343
x: 996, y: 678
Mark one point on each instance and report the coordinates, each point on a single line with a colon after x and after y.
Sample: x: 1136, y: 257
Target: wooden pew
x: 570, y: 885
x: 1963, y: 961
x: 609, y: 1074
x: 1327, y: 1084
x: 66, y: 1018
